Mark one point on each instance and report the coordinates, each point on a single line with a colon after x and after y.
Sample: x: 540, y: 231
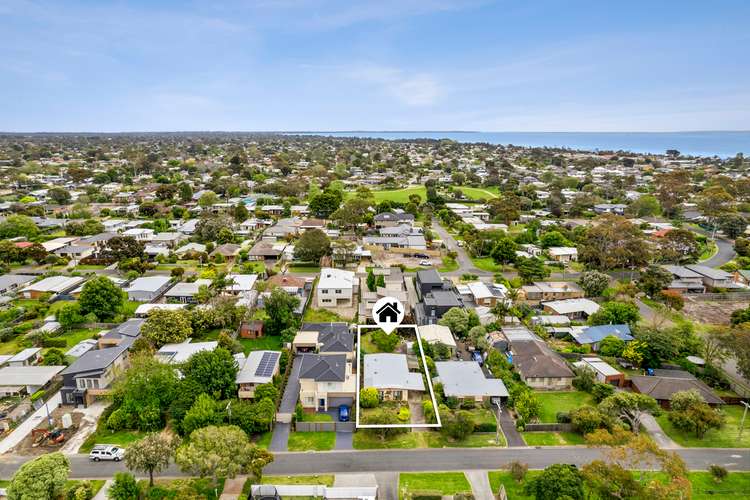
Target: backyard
x: 265, y: 343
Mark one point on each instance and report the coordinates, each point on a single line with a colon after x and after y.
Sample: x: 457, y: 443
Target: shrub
x: 562, y: 417
x: 518, y: 470
x: 718, y: 472
x: 602, y: 391
x: 385, y: 342
x: 404, y: 415
x: 54, y: 342
x: 369, y: 398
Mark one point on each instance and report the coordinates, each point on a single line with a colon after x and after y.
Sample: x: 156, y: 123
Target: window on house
x: 338, y: 291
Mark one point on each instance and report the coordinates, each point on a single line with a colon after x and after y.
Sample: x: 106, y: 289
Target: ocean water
x: 721, y: 144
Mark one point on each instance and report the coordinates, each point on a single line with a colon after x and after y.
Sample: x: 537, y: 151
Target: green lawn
x: 254, y: 266
x: 264, y: 440
x: 316, y: 417
x: 321, y: 316
x: 710, y: 250
x: 304, y: 268
x: 73, y: 337
x: 121, y: 438
x: 96, y: 484
x: 266, y: 343
x: 477, y: 193
x: 552, y: 438
x: 449, y: 265
x: 445, y: 483
x: 476, y: 440
x: 736, y: 485
x: 726, y: 437
x: 311, y: 441
x: 400, y: 195
x: 554, y: 402
x: 323, y: 479
x: 486, y: 264
x: 363, y: 440
x: 512, y: 488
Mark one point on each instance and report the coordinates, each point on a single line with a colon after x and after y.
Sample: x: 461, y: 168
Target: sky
x: 330, y: 65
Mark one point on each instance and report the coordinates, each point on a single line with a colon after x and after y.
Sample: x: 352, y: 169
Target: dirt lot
x: 26, y: 446
x: 713, y: 312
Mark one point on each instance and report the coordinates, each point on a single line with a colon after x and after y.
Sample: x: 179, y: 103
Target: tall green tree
x: 312, y: 246
x: 42, y: 478
x: 101, y: 297
x: 279, y: 307
x: 151, y: 454
x: 215, y: 372
x: 221, y: 452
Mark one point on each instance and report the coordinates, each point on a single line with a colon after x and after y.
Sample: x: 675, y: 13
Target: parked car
x: 425, y: 262
x: 477, y: 356
x: 343, y: 413
x: 106, y: 452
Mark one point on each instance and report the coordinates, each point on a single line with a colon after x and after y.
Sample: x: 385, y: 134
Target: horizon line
x: 374, y: 131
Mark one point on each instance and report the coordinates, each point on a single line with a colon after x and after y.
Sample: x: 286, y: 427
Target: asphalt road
x: 411, y: 460
x: 464, y: 261
x: 725, y: 254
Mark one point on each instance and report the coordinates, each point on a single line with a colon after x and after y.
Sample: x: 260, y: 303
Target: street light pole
x: 742, y: 422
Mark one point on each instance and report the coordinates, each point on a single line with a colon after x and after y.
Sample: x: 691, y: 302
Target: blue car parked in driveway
x: 343, y: 413
x: 477, y: 356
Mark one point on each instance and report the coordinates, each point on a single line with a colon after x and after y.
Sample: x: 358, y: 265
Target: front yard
x: 120, y: 438
x: 736, y: 485
x: 307, y: 441
x: 444, y: 483
x: 323, y: 479
x: 553, y: 438
x: 726, y: 437
x: 554, y: 402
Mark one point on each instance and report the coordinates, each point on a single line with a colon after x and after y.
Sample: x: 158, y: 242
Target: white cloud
x: 417, y: 89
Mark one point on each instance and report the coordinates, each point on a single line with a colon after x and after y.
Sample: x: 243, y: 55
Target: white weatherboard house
x: 390, y: 375
x: 465, y: 380
x: 336, y: 287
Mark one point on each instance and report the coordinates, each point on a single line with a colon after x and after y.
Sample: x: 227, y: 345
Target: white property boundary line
x: 424, y: 367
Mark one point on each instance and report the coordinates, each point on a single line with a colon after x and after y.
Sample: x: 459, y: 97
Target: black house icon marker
x: 388, y: 313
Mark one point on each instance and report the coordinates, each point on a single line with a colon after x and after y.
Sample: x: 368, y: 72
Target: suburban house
x: 465, y: 381
x: 180, y: 352
x: 563, y: 254
x: 572, y: 308
x: 742, y: 277
x: 610, y: 208
x: 147, y: 288
x: 16, y: 380
x: 713, y: 278
x: 437, y: 334
x: 260, y: 367
x: 427, y: 281
x: 125, y: 332
x: 9, y: 283
x: 685, y: 280
x: 326, y: 382
x: 324, y: 338
x: 605, y: 373
x: 394, y: 218
x: 55, y: 285
x: 665, y: 383
x: 436, y: 297
x: 240, y: 283
x: 336, y: 288
x: 594, y: 334
x: 185, y: 292
x: 92, y: 374
x: 483, y: 294
x: 197, y: 248
x: 541, y: 291
x: 390, y: 375
x: 27, y: 357
x: 394, y: 287
x: 538, y: 365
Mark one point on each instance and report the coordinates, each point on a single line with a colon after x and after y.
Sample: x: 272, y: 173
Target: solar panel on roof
x: 267, y: 363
